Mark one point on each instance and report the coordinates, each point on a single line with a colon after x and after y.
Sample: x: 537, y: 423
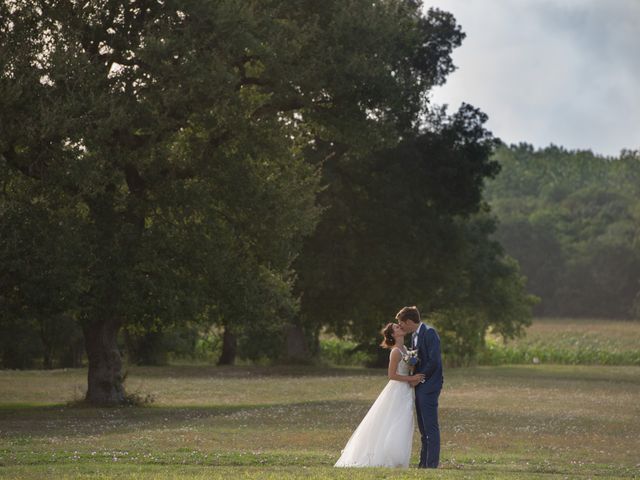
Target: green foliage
x: 208, y: 347
x: 156, y: 183
x: 20, y: 343
x: 406, y: 226
x: 188, y: 340
x: 571, y: 220
x: 334, y: 351
x: 487, y: 292
x: 162, y: 164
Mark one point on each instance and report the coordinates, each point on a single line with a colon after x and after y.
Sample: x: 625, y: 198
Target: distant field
x: 570, y: 341
x: 516, y: 422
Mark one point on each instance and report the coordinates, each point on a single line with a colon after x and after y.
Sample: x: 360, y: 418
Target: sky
x: 565, y: 72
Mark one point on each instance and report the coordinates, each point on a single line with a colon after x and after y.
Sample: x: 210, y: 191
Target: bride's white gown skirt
x: 385, y: 435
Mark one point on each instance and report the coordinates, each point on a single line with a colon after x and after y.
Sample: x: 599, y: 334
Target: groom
x: 425, y: 339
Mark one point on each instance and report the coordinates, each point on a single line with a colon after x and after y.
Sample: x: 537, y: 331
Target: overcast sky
x: 550, y: 71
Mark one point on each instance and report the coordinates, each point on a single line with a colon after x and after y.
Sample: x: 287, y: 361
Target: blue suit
x: 427, y: 393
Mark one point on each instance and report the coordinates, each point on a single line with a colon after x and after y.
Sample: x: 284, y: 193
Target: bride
x: 385, y: 435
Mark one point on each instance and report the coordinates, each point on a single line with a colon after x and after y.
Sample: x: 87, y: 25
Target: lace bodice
x: 403, y: 368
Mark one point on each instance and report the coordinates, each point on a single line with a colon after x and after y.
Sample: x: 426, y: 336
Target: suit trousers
x: 427, y: 417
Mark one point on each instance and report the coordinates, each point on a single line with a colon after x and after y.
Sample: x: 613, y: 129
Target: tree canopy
x: 162, y: 162
x: 570, y: 218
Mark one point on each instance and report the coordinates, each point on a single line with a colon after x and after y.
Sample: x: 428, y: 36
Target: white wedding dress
x: 385, y: 435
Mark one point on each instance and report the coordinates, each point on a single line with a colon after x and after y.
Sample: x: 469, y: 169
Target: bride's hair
x: 387, y: 334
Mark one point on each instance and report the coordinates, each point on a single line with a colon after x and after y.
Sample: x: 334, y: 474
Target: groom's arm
x: 433, y: 356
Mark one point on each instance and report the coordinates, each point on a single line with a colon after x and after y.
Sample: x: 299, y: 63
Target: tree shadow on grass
x: 47, y: 421
x: 205, y: 371
x: 24, y: 420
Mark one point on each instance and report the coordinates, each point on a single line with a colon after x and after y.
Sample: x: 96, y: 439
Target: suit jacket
x: 430, y: 363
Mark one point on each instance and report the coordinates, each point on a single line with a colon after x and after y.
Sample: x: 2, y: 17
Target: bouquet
x: 411, y: 359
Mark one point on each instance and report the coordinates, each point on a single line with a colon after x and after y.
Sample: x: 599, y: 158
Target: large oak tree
x: 155, y: 155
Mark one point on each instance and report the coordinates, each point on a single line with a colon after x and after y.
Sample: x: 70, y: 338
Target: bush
x: 342, y: 352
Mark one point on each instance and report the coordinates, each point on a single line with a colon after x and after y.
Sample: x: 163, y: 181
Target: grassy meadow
x: 506, y: 421
x: 570, y: 341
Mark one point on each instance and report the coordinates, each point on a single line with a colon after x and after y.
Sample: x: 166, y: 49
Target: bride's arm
x: 394, y: 359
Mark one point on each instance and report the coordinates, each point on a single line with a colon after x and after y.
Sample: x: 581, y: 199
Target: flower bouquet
x: 411, y: 359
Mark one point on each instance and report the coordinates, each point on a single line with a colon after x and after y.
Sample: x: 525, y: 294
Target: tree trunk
x: 47, y: 360
x: 297, y: 348
x: 229, y: 348
x: 47, y: 345
x: 105, y: 385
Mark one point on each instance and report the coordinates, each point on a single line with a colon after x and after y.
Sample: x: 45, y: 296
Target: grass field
x: 538, y: 421
x: 505, y: 421
x: 570, y: 341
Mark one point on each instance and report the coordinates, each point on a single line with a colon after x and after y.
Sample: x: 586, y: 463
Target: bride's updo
x: 387, y: 333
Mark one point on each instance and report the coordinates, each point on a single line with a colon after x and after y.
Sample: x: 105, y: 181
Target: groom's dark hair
x: 408, y: 313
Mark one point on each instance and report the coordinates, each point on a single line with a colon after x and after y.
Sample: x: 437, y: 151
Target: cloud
x: 550, y: 71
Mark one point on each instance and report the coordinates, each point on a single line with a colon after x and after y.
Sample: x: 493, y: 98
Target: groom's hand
x: 417, y: 378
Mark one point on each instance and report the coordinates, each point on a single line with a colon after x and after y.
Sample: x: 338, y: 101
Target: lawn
x: 527, y: 421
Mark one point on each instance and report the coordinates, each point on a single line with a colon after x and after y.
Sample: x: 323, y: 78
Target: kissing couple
x: 385, y: 435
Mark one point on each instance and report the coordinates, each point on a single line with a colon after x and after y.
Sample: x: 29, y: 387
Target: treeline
x: 572, y: 220
x: 237, y: 176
